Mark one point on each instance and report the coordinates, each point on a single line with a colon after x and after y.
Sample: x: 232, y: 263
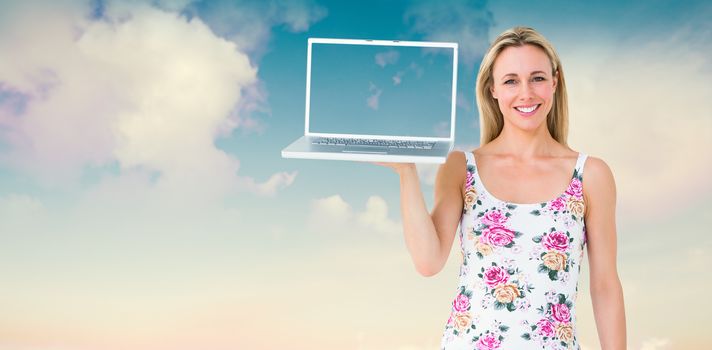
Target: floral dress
x: 520, y: 268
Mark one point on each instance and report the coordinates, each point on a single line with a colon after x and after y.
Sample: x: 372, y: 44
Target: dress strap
x: 470, y: 159
x: 580, y: 163
x: 469, y: 170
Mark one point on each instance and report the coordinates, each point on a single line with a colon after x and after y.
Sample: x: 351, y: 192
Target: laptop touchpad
x: 365, y: 149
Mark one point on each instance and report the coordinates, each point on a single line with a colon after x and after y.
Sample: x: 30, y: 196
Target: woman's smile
x: 527, y: 111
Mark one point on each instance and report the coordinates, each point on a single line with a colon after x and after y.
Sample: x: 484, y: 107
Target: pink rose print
x: 560, y: 312
x: 558, y: 204
x: 495, y: 275
x: 498, y: 235
x: 556, y: 240
x: 461, y: 303
x: 546, y: 328
x: 494, y: 218
x: 488, y: 342
x: 470, y: 180
x: 575, y: 188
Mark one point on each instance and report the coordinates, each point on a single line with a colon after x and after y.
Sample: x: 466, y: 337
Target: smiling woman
x: 523, y: 92
x: 523, y: 234
x: 532, y: 73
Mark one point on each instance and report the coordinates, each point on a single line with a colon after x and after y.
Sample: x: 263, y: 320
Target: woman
x: 522, y: 246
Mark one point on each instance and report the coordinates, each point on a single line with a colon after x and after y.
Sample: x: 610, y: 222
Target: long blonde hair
x: 491, y: 118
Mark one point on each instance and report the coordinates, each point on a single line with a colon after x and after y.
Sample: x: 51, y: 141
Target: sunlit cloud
x: 98, y: 91
x: 271, y: 186
x: 117, y: 91
x: 656, y: 344
x: 334, y: 215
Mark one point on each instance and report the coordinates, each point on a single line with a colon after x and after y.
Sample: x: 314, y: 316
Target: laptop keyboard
x: 336, y: 141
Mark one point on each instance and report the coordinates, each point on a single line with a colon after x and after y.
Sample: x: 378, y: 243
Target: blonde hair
x: 491, y: 118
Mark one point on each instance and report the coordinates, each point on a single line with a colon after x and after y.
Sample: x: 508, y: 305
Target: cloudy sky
x: 144, y: 203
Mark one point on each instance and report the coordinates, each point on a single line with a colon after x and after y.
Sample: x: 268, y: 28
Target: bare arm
x: 606, y: 290
x: 429, y: 237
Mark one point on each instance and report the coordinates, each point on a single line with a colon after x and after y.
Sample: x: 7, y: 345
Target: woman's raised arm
x: 428, y: 236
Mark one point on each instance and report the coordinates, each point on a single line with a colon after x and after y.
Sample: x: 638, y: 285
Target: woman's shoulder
x: 456, y: 160
x: 597, y: 168
x: 454, y: 170
x: 598, y: 180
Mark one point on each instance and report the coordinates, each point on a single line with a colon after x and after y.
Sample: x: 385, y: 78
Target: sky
x: 381, y: 90
x: 144, y: 203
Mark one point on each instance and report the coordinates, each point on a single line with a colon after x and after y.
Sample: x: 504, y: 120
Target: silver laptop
x: 378, y: 100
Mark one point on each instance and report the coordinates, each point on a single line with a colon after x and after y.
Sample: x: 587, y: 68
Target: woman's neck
x: 522, y: 144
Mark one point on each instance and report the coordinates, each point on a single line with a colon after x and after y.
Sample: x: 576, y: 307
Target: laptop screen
x: 381, y: 90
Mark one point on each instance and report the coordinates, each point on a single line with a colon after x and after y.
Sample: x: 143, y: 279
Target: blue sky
x: 144, y: 203
x: 381, y: 90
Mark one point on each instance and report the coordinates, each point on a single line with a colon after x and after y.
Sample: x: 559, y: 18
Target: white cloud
x: 330, y: 214
x: 655, y: 344
x: 373, y: 100
x: 270, y: 187
x: 398, y: 78
x: 65, y: 121
x: 385, y: 58
x: 376, y: 216
x: 412, y: 67
x: 254, y: 99
x: 145, y: 87
x: 455, y: 21
x: 180, y: 82
x: 333, y: 215
x: 637, y: 105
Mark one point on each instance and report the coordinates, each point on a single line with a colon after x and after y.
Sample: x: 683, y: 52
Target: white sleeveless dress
x: 519, y: 275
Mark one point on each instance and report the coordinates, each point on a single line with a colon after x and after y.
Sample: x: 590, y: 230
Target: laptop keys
x: 333, y: 141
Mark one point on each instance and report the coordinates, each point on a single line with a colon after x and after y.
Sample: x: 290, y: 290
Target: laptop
x: 378, y: 100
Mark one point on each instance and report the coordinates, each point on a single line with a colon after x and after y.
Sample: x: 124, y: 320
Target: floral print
x: 490, y: 340
x: 493, y: 233
x: 554, y: 259
x: 568, y: 207
x: 460, y: 317
x: 555, y: 327
x: 503, y: 285
x: 519, y: 272
x: 470, y: 192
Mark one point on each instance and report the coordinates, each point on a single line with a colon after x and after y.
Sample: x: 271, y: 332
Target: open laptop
x: 378, y: 100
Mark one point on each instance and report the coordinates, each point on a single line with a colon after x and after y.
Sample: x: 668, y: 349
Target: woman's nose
x: 525, y: 90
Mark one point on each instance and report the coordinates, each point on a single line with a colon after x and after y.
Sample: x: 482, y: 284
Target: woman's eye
x: 539, y: 79
x: 510, y: 81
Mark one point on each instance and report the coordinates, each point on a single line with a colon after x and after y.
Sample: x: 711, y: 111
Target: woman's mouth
x: 527, y: 111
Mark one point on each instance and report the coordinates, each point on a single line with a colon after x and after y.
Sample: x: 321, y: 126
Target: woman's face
x: 523, y: 86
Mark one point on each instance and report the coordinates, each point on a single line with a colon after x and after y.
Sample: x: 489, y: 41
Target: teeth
x: 526, y: 110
